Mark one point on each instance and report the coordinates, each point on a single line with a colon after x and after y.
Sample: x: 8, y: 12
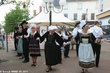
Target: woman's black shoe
x: 82, y: 71
x: 25, y: 61
x: 33, y: 65
x: 66, y: 57
x: 50, y: 68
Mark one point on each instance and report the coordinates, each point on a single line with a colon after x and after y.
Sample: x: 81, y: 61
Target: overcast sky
x: 4, y: 10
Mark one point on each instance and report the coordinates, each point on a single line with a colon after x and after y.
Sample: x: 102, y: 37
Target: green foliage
x: 71, y: 29
x: 109, y: 21
x: 14, y: 18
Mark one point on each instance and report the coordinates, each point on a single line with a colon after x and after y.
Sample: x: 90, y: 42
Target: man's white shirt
x: 97, y: 31
x: 75, y: 32
x: 66, y: 38
x: 64, y: 35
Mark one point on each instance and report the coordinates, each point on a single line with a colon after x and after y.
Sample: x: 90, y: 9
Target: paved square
x: 69, y: 65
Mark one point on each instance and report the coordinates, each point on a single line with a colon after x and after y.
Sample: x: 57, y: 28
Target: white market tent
x: 44, y: 18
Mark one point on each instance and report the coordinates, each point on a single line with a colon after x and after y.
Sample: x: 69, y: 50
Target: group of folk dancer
x: 86, y: 38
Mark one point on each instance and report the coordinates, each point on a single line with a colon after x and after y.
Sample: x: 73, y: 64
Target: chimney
x: 34, y: 12
x: 40, y: 9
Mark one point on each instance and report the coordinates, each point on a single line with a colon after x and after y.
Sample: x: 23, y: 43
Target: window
x: 92, y: 16
x: 84, y: 16
x: 75, y: 16
x: 101, y: 8
x: 66, y: 15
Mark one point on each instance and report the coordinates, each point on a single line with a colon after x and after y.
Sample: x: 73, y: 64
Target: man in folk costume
x: 25, y: 35
x: 67, y: 41
x: 98, y: 33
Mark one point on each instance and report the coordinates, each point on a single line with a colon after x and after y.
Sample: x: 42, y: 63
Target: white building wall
x: 80, y: 8
x: 106, y: 5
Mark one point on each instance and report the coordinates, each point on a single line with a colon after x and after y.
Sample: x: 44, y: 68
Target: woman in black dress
x: 52, y: 52
x: 85, y: 51
x: 34, y: 45
x: 20, y: 43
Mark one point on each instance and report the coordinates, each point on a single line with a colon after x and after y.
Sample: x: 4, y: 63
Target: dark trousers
x: 15, y: 43
x: 77, y: 49
x: 66, y: 51
x: 97, y: 50
x: 26, y: 49
x: 60, y: 55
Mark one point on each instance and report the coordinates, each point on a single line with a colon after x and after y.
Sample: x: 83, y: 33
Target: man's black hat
x: 24, y: 22
x: 77, y: 23
x: 16, y: 28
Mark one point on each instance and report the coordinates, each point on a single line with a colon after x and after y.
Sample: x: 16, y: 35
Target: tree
x: 18, y: 2
x: 2, y: 2
x: 14, y: 17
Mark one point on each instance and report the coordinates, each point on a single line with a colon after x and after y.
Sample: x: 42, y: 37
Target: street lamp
x: 86, y: 15
x: 53, y: 5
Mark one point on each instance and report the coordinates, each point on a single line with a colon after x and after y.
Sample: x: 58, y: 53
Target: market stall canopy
x: 56, y: 17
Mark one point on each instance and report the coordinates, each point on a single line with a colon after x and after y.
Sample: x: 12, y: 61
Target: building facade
x: 81, y: 10
x: 104, y: 12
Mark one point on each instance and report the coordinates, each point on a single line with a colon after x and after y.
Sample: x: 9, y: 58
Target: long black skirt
x: 34, y: 50
x: 52, y: 54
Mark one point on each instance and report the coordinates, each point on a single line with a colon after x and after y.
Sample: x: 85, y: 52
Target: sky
x: 4, y: 9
